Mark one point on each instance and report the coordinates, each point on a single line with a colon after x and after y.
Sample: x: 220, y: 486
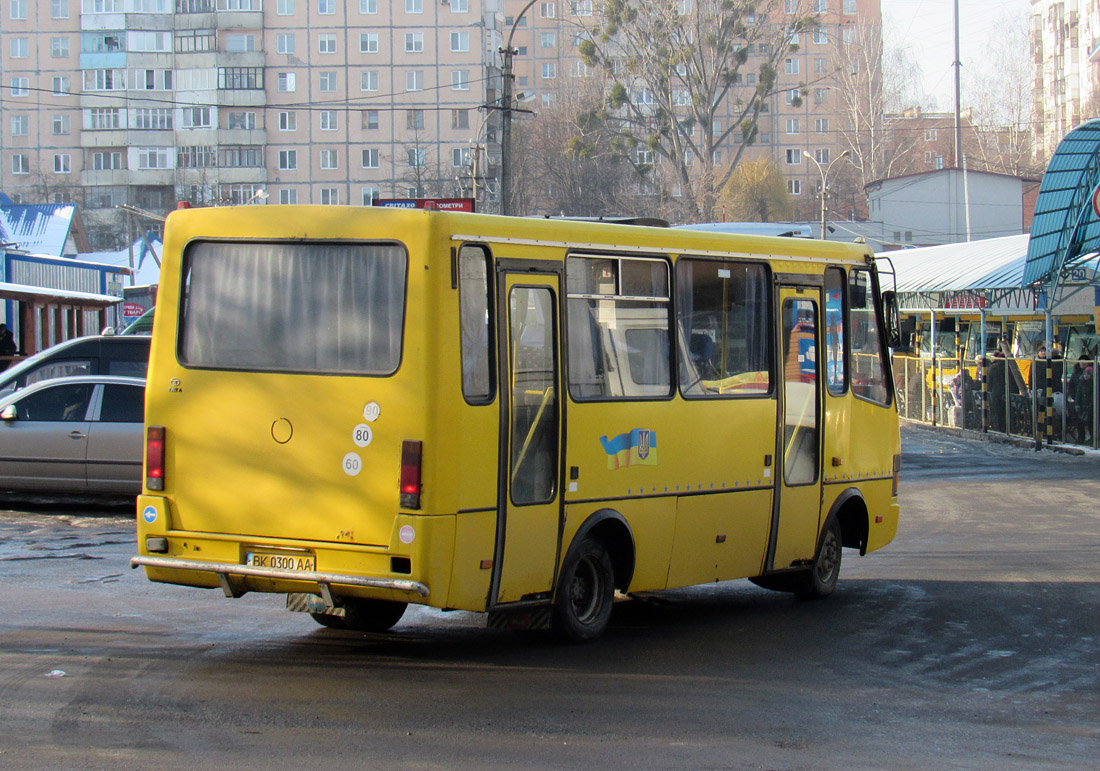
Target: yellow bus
x: 363, y: 408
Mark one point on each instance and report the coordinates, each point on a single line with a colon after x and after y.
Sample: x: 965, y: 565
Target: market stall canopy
x: 1066, y: 228
x: 993, y: 263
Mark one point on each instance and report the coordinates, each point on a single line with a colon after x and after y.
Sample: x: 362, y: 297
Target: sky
x: 928, y: 26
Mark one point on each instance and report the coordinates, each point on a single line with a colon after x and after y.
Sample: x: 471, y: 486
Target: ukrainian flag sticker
x: 637, y: 447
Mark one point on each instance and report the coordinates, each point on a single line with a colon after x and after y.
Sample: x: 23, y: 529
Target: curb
x: 983, y: 436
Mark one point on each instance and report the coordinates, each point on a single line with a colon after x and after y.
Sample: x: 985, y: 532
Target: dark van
x: 92, y: 355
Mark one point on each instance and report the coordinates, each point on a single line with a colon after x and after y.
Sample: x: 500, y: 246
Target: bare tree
x: 677, y: 74
x: 756, y: 192
x: 873, y: 80
x: 1002, y: 105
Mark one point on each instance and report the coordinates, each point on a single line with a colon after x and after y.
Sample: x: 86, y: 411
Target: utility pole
x: 506, y: 54
x: 824, y: 182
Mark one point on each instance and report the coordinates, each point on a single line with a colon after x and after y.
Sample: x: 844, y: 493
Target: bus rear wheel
x: 329, y: 620
x: 372, y: 615
x: 586, y: 592
x: 822, y: 577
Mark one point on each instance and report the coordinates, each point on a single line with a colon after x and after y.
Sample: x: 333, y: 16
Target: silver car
x: 74, y: 434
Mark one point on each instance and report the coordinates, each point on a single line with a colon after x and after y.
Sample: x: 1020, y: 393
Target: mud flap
x: 520, y: 619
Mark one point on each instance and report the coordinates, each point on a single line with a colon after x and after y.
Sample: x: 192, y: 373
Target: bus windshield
x: 293, y: 307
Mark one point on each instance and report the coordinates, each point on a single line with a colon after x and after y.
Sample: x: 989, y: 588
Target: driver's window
x: 61, y: 403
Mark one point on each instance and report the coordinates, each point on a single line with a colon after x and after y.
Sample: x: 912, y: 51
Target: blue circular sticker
x: 150, y: 514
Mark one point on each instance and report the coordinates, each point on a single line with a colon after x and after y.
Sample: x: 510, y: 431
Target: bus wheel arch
x: 611, y: 529
x: 850, y: 510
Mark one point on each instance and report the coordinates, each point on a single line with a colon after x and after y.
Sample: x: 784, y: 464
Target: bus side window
x: 475, y: 324
x: 724, y: 327
x: 868, y: 370
x: 836, y: 365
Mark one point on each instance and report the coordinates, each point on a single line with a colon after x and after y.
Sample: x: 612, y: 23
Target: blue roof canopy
x: 1066, y: 229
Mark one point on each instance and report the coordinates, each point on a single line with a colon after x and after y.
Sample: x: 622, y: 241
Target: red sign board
x: 1096, y: 201
x: 132, y: 310
x: 437, y: 204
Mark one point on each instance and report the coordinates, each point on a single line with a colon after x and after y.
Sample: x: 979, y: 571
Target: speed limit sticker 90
x: 353, y: 464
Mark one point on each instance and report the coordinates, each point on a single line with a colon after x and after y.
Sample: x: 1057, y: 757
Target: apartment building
x: 152, y: 102
x: 1065, y: 46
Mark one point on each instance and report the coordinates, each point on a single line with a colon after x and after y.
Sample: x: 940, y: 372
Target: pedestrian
x: 7, y: 347
x: 996, y: 380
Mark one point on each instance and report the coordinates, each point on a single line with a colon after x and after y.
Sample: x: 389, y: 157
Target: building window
x: 821, y: 95
x: 60, y: 85
x: 460, y: 119
x: 61, y: 124
x: 850, y: 8
x: 580, y: 8
x: 414, y: 119
x: 460, y: 6
x: 930, y: 135
x: 368, y: 43
x: 790, y: 66
x: 18, y: 9
x: 286, y: 82
x: 549, y: 70
x: 547, y: 39
x: 288, y: 120
x: 151, y: 118
x: 460, y: 41
x: 193, y: 40
x: 197, y: 157
x: 792, y: 125
x: 326, y: 44
x: 239, y: 43
x: 107, y: 161
x: 821, y: 6
x: 288, y: 160
x: 368, y: 6
x: 821, y: 125
x: 59, y: 9
x: 417, y: 156
x: 939, y: 162
x: 288, y: 197
x: 152, y: 158
x: 414, y: 42
x: 414, y: 80
x: 370, y: 119
x: 794, y: 156
x: 242, y: 120
x: 327, y: 82
x: 460, y: 157
x: 330, y: 196
x: 326, y: 7
x: 548, y: 10
x: 822, y: 155
x: 460, y: 80
x: 329, y: 160
x: 368, y: 81
x: 196, y: 118
x: 59, y: 47
x: 793, y: 97
x: 821, y: 35
x: 242, y: 78
x: 284, y: 7
x: 20, y: 125
x: 370, y: 157
x: 414, y: 6
x: 102, y: 118
x: 794, y: 186
x: 284, y: 43
x: 370, y: 195
x: 330, y: 120
x: 19, y: 164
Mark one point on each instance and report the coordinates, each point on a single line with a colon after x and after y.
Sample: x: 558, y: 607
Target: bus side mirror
x: 892, y: 318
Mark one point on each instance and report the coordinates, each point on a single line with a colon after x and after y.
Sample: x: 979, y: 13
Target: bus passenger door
x: 528, y: 522
x: 798, y: 486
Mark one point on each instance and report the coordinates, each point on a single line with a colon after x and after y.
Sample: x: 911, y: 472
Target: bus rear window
x: 293, y: 307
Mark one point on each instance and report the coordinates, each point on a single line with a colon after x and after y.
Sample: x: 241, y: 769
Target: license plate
x: 277, y: 561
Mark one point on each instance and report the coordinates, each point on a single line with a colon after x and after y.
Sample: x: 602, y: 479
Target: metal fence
x: 1045, y: 400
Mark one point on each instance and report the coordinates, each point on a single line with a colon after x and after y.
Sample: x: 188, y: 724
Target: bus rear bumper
x: 324, y: 581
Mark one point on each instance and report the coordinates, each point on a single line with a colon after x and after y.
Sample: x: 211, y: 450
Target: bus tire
x: 372, y: 615
x: 329, y: 620
x: 779, y: 582
x: 586, y: 592
x: 822, y: 577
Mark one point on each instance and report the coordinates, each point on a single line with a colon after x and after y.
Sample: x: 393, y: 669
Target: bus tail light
x: 410, y: 474
x: 154, y: 458
x: 897, y: 476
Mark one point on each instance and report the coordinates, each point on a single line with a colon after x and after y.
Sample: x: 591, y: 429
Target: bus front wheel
x: 586, y: 593
x: 372, y: 615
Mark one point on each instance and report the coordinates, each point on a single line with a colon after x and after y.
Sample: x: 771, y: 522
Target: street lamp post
x: 506, y: 54
x: 824, y: 172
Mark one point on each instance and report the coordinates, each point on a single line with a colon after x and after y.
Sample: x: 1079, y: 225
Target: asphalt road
x: 971, y: 642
